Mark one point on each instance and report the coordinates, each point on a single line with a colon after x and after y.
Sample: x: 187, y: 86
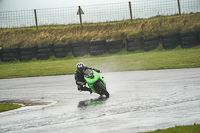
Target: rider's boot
x: 86, y: 89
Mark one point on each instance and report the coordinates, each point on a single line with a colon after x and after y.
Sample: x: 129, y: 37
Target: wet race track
x: 139, y: 101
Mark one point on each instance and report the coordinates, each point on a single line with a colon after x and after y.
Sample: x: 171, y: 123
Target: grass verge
x: 8, y: 106
x: 123, y: 61
x: 180, y: 129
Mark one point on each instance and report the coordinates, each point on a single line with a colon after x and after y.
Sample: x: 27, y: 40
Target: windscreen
x: 88, y: 73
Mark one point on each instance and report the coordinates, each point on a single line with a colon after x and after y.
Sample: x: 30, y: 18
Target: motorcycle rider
x: 79, y: 77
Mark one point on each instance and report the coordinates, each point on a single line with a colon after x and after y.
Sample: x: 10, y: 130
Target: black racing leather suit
x: 80, y: 81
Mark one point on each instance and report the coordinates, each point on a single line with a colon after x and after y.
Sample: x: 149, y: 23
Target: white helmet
x: 80, y: 67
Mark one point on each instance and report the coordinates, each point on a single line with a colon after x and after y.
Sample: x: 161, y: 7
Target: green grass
x: 8, y: 106
x: 123, y: 61
x: 180, y: 129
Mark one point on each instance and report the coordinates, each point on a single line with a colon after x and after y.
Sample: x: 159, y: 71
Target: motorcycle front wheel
x: 102, y: 89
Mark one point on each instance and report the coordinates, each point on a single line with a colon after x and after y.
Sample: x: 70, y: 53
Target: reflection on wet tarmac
x: 92, y: 102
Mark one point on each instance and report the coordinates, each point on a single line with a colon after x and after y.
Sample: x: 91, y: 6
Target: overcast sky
x: 14, y: 5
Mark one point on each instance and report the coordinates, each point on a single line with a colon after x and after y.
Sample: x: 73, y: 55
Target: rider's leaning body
x: 79, y: 77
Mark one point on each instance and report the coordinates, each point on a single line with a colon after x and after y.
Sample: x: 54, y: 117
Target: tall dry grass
x: 54, y: 34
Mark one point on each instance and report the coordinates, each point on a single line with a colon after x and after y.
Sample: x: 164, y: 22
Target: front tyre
x: 102, y: 89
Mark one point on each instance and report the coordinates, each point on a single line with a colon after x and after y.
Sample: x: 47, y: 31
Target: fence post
x: 130, y: 11
x: 36, y: 19
x: 79, y: 11
x: 179, y: 8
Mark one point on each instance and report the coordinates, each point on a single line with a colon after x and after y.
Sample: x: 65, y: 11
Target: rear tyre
x: 102, y: 89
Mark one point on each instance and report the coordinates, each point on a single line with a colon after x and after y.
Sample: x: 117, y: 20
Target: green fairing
x: 91, y: 81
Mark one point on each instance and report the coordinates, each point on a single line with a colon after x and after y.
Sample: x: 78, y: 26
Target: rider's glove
x: 96, y: 70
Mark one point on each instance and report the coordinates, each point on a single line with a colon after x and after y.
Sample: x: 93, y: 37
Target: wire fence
x: 97, y: 13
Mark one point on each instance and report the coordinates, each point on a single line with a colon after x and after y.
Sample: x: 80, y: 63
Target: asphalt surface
x: 139, y: 101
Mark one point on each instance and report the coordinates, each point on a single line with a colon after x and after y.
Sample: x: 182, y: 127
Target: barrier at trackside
x: 171, y: 41
x: 61, y: 51
x: 115, y: 46
x: 189, y: 39
x: 80, y: 48
x: 28, y: 53
x: 95, y: 48
x: 9, y: 54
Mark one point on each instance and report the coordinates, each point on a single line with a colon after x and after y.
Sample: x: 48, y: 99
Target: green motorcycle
x: 96, y: 82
